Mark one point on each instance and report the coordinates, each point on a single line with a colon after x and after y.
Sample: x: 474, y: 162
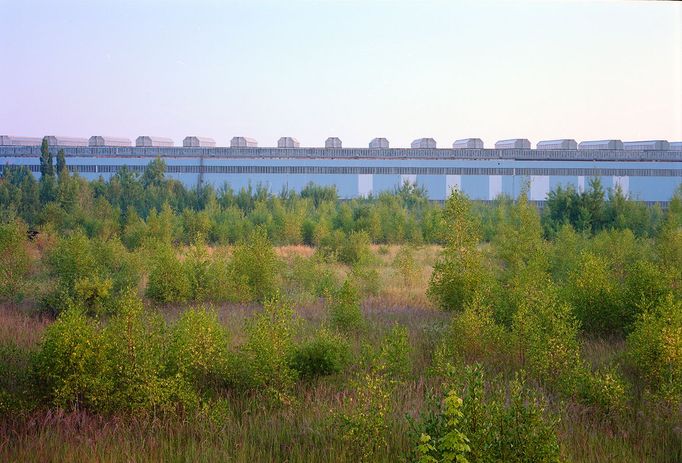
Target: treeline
x: 135, y: 206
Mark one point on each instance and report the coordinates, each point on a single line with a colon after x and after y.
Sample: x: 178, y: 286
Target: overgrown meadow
x: 143, y: 321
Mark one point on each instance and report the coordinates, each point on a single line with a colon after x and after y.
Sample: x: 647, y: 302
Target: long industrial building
x: 649, y: 171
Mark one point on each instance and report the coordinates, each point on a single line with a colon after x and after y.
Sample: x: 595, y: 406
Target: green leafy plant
x: 326, y: 353
x: 343, y: 307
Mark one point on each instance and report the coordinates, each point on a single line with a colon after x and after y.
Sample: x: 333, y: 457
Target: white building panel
x: 563, y: 144
x: 198, y: 142
x: 675, y: 146
x: 243, y: 142
x: 494, y: 186
x: 452, y: 182
x: 288, y: 142
x: 646, y: 145
x: 333, y: 142
x: 8, y: 140
x: 422, y: 143
x: 539, y: 187
x: 146, y: 141
x: 102, y: 140
x: 514, y: 143
x: 623, y: 183
x: 377, y: 143
x: 365, y: 184
x: 601, y: 145
x: 56, y: 140
x: 581, y: 183
x: 468, y: 143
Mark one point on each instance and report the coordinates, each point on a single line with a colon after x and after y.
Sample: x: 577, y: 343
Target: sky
x: 353, y: 69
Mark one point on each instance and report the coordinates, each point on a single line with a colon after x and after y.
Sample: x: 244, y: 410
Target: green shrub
x: 344, y: 310
x: 70, y: 365
x: 406, y: 266
x: 90, y: 273
x: 395, y: 354
x: 596, y: 296
x: 16, y: 392
x: 168, y: 280
x: 606, y: 390
x: 256, y: 263
x: 459, y: 277
x: 547, y: 334
x: 473, y: 336
x: 363, y: 419
x: 199, y: 348
x: 263, y: 361
x: 310, y: 276
x: 501, y: 421
x: 197, y: 268
x: 366, y: 278
x: 355, y: 248
x: 135, y: 345
x: 452, y: 445
x: 325, y: 354
x: 654, y: 348
x: 14, y: 260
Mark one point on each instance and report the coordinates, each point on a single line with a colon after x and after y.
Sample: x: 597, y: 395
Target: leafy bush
x: 168, y: 280
x: 90, y: 273
x: 325, y: 354
x: 366, y: 278
x: 406, y: 266
x: 364, y: 416
x: 14, y: 260
x: 199, y: 348
x: 501, y: 422
x: 473, y: 336
x: 70, y: 364
x: 343, y: 307
x: 606, y: 390
x: 394, y: 357
x: 263, y: 361
x: 310, y: 276
x: 135, y: 352
x: 355, y: 248
x: 655, y: 349
x: 256, y: 263
x: 453, y: 445
x: 596, y: 296
x: 548, y: 336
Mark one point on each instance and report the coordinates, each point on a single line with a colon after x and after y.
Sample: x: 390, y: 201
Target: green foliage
x: 364, y: 416
x: 70, y: 365
x: 355, y: 248
x: 263, y: 361
x: 256, y: 264
x: 90, y: 273
x: 365, y: 277
x: 493, y: 422
x: 344, y: 310
x: 135, y: 345
x: 15, y: 260
x: 655, y: 349
x: 199, y: 349
x: 473, y: 336
x: 168, y: 281
x: 406, y: 266
x: 460, y: 275
x: 394, y: 358
x: 596, y: 296
x: 325, y: 354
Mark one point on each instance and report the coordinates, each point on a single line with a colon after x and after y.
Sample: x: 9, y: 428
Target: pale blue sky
x: 354, y: 69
